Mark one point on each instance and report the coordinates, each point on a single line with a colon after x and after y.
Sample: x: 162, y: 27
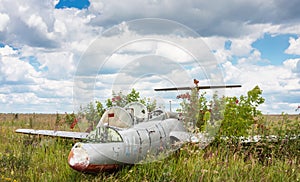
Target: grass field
x: 29, y: 158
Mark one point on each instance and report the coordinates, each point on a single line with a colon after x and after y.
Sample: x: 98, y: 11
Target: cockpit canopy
x: 116, y: 117
x: 104, y: 134
x: 138, y: 111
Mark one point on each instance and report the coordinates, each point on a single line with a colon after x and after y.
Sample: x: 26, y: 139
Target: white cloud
x: 4, y: 20
x: 55, y: 39
x: 37, y: 22
x: 7, y: 51
x: 60, y: 65
x: 253, y: 57
x: 294, y: 47
x: 14, y: 70
x: 294, y: 66
x: 279, y: 83
x: 60, y: 27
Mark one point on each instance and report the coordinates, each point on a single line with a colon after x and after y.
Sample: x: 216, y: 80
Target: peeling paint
x: 78, y: 159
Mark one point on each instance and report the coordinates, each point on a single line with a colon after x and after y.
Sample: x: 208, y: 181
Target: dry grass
x: 50, y: 119
x: 280, y: 117
x: 24, y: 158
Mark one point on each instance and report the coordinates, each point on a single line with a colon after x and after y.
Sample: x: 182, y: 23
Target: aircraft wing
x: 62, y: 134
x: 185, y: 137
x: 190, y: 137
x: 268, y: 138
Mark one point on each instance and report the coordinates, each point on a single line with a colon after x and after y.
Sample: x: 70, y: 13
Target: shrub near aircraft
x: 126, y: 135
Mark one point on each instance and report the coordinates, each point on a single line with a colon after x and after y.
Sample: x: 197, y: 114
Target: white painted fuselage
x: 142, y: 142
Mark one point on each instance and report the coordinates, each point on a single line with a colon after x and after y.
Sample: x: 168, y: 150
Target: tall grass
x: 32, y: 158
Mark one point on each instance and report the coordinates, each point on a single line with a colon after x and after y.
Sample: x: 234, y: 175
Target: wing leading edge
x: 62, y: 134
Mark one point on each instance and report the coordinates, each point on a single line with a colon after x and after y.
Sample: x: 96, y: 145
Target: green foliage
x: 202, y: 109
x: 150, y: 104
x: 108, y: 103
x: 12, y: 162
x: 121, y: 100
x: 27, y: 158
x: 217, y: 106
x: 99, y: 108
x: 236, y: 115
x: 206, y: 116
x: 240, y: 114
x: 196, y: 109
x: 133, y: 96
x: 58, y: 118
x: 69, y: 118
x: 284, y: 127
x: 93, y: 112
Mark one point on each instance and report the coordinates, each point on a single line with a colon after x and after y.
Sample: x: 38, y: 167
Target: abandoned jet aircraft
x: 123, y: 136
x: 126, y: 135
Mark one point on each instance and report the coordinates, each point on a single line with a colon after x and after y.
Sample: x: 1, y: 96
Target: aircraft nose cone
x: 78, y: 158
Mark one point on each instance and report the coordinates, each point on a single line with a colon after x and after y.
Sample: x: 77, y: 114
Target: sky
x: 56, y: 55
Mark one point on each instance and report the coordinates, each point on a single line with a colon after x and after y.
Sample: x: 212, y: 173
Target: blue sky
x: 42, y: 45
x: 80, y: 4
x: 272, y: 47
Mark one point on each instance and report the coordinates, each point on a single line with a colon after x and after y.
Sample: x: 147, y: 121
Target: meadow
x: 32, y: 158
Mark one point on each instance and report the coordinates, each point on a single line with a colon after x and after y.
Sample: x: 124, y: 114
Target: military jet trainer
x: 125, y: 136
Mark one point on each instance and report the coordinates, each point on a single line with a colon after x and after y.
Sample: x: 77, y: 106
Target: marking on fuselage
x: 158, y: 130
x: 149, y: 136
x: 162, y: 129
x: 139, y: 136
x: 116, y: 151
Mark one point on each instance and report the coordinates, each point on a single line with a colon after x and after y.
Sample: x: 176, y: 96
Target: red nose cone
x: 78, y: 159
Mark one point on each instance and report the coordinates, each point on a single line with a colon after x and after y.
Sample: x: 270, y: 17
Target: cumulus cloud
x: 4, y: 20
x: 279, y: 83
x: 294, y: 66
x: 13, y: 70
x: 7, y: 51
x: 206, y: 19
x: 294, y: 47
x: 42, y: 47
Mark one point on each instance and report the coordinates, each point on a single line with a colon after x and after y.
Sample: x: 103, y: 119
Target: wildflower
x: 116, y: 98
x: 74, y: 123
x: 184, y: 96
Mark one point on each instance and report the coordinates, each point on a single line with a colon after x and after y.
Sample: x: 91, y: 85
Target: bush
x: 236, y: 115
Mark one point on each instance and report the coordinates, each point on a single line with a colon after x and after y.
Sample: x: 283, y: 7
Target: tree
x: 121, y: 100
x: 236, y: 114
x: 240, y: 114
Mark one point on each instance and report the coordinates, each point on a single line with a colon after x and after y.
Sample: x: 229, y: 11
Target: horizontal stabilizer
x: 198, y: 87
x: 62, y: 134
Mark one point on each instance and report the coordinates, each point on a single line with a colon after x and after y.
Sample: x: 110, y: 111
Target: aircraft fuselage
x: 143, y: 142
